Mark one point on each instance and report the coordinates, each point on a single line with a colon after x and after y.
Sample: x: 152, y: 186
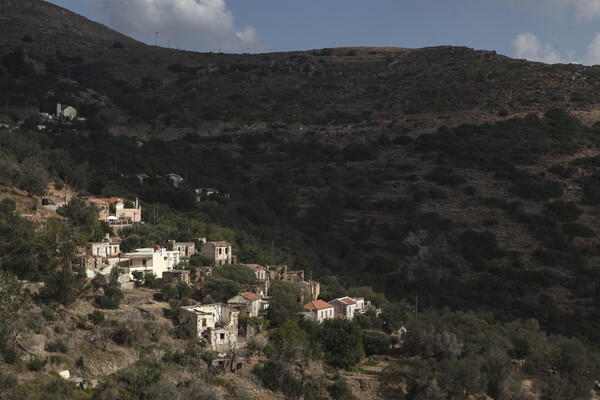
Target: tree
x: 236, y: 273
x: 284, y: 302
x: 64, y: 285
x: 289, y: 340
x: 342, y: 343
x: 375, y: 342
x: 17, y: 247
x: 12, y: 302
x: 84, y: 219
x: 219, y: 290
x: 112, y: 291
x: 394, y: 316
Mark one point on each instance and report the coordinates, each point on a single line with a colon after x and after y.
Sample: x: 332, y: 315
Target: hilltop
x: 152, y: 91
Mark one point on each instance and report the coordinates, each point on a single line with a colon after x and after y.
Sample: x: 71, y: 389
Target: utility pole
x: 156, y: 42
x: 416, y: 307
x: 65, y: 190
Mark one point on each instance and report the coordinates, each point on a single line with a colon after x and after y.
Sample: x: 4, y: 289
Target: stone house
x: 259, y: 271
x: 344, y: 307
x: 216, y: 325
x: 176, y: 276
x: 106, y: 248
x: 248, y: 303
x: 113, y: 211
x: 218, y: 252
x: 185, y: 249
x: 101, y: 257
x: 318, y: 311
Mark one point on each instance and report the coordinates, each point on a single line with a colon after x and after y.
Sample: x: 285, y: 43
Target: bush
x: 375, y: 343
x: 7, y: 381
x: 57, y: 347
x: 359, y: 152
x: 340, y: 390
x: 578, y: 230
x: 123, y: 336
x: 35, y: 364
x: 530, y: 186
x: 478, y: 247
x: 564, y: 211
x: 96, y: 316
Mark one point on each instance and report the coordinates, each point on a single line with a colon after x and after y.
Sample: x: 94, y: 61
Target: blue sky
x: 540, y: 30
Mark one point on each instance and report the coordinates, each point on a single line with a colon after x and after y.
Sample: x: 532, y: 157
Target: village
x: 215, y: 325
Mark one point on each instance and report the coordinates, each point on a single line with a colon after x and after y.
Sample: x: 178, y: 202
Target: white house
x: 215, y: 324
x: 360, y: 304
x: 248, y: 302
x: 344, y: 307
x: 217, y: 252
x: 155, y: 260
x: 319, y: 310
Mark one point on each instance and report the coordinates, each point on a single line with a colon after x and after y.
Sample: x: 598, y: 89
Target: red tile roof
x: 317, y: 305
x: 250, y: 296
x: 347, y: 300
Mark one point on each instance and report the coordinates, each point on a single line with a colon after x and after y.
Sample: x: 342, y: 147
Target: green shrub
x: 340, y: 390
x: 578, y: 230
x: 479, y: 247
x: 57, y: 347
x: 7, y: 381
x: 35, y: 364
x: 375, y: 342
x: 564, y: 211
x: 96, y: 316
x: 123, y: 336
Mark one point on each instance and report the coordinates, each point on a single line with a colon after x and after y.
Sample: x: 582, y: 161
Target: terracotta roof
x: 222, y: 243
x: 346, y: 300
x: 250, y: 296
x: 317, y: 305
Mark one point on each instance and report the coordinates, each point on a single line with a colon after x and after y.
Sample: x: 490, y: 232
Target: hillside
x: 367, y: 142
x: 456, y: 178
x: 340, y: 91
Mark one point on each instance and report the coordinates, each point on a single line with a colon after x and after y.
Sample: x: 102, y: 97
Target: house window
x: 220, y: 251
x: 203, y: 322
x: 222, y: 336
x: 227, y: 250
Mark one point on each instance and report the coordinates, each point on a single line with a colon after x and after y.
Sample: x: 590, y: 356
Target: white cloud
x: 188, y: 24
x: 583, y: 9
x: 528, y: 46
x: 593, y: 52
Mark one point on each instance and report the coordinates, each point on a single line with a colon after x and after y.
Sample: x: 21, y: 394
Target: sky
x: 551, y: 31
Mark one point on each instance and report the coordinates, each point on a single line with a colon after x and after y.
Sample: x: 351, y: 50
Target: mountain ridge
x: 393, y: 89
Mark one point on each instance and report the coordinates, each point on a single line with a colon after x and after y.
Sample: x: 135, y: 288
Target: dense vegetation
x: 266, y: 222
